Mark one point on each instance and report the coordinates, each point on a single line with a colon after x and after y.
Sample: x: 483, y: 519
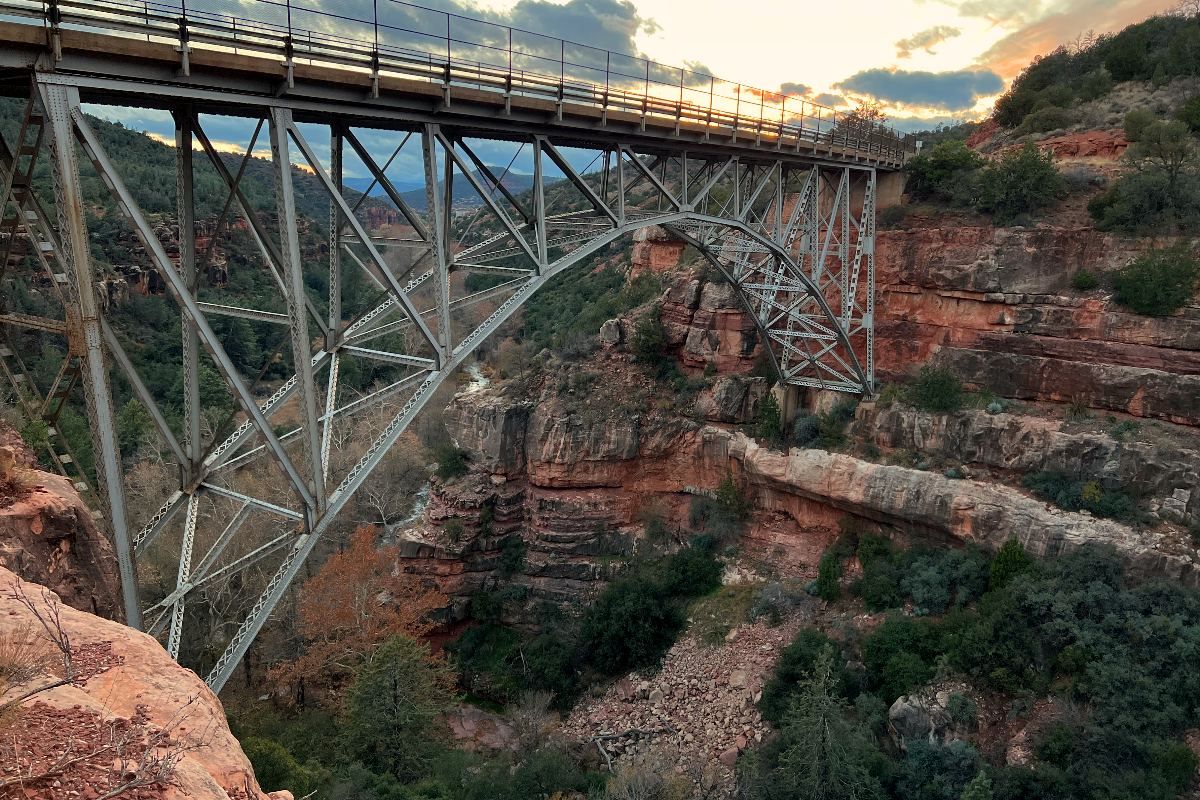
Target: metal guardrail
x: 410, y: 41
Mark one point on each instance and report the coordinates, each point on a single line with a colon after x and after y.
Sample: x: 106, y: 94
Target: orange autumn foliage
x: 357, y: 601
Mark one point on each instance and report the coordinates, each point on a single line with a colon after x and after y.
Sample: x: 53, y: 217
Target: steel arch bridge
x: 784, y: 209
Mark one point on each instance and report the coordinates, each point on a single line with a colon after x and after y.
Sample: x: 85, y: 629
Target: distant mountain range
x: 465, y: 195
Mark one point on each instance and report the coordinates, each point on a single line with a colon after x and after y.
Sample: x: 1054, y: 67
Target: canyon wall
x: 995, y: 305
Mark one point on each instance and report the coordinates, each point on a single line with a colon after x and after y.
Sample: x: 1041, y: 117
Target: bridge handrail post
x: 184, y: 50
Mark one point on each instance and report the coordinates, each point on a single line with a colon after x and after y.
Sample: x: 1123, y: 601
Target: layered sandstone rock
x: 1164, y: 471
x: 126, y: 687
x: 573, y: 491
x: 709, y: 325
x: 995, y: 305
x: 47, y: 535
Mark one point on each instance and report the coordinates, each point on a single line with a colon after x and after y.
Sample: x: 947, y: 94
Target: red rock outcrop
x: 48, y: 536
x: 994, y: 304
x: 127, y: 687
x: 654, y: 250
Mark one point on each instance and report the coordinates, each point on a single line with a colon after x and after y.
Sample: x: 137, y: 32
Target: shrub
x: 892, y: 216
x: 936, y: 389
x: 1144, y: 202
x: 962, y: 709
x: 768, y: 424
x: 649, y: 343
x: 628, y: 627
x: 1073, y: 493
x: 1023, y: 181
x: 946, y: 174
x: 276, y: 768
x: 1050, y: 118
x: 691, y: 572
x: 1010, y: 561
x: 1159, y: 282
x: 1189, y: 113
x: 1136, y: 122
x: 829, y: 576
x: 806, y: 429
x: 1084, y: 280
x: 899, y: 656
x: 451, y: 461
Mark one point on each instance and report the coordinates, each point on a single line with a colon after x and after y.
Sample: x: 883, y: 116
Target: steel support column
x: 60, y: 103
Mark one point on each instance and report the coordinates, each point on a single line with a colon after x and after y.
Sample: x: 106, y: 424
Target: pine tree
x: 980, y: 788
x: 825, y: 757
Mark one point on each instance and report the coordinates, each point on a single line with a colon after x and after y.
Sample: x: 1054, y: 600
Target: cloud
x: 925, y: 40
x: 1064, y: 22
x: 798, y: 89
x: 831, y: 100
x: 1002, y: 12
x: 950, y: 91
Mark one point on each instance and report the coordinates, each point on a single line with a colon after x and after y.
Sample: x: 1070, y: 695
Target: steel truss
x: 794, y: 238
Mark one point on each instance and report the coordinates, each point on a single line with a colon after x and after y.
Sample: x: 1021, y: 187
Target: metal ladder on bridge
x: 23, y: 216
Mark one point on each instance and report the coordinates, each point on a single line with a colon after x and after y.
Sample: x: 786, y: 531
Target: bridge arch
x: 792, y: 233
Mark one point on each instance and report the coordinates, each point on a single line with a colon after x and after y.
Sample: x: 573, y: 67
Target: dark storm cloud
x: 828, y: 99
x: 798, y: 89
x: 952, y: 91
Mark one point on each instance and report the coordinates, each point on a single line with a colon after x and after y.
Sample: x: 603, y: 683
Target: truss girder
x: 794, y: 240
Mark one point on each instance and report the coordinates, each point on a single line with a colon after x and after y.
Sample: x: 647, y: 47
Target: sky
x: 925, y: 61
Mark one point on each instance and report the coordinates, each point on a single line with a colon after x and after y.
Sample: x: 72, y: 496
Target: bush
x: 1050, y: 118
x: 649, y: 342
x: 945, y: 174
x: 829, y: 576
x: 276, y: 768
x: 1137, y: 121
x: 1084, y: 280
x: 1159, y: 282
x: 1073, y: 493
x: 1145, y: 202
x: 1010, y: 561
x: 936, y: 389
x: 1022, y: 182
x: 629, y: 627
x: 451, y: 461
x: 1189, y: 113
x: 899, y: 656
x: 806, y: 429
x: 768, y: 424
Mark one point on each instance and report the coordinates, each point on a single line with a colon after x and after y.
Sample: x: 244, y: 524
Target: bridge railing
x: 392, y: 38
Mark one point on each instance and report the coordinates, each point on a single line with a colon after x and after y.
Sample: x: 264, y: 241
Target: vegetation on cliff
x: 1117, y: 654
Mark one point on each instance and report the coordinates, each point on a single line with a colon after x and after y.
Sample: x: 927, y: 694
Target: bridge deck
x: 121, y: 67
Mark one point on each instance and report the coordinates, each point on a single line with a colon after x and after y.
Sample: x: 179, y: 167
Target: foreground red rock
x: 48, y: 536
x: 126, y: 682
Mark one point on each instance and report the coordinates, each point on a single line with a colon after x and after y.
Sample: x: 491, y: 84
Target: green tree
x: 1010, y: 560
x: 824, y: 755
x: 829, y: 575
x: 768, y: 424
x: 133, y: 424
x: 392, y: 709
x: 1136, y: 122
x: 1189, y: 113
x: 946, y: 173
x: 276, y: 768
x: 1167, y: 147
x: 1023, y: 181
